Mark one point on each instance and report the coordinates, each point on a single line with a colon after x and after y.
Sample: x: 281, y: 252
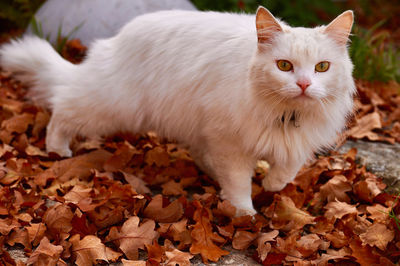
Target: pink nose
x: 303, y: 84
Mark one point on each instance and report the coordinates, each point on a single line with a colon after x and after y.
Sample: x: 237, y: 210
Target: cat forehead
x: 305, y: 43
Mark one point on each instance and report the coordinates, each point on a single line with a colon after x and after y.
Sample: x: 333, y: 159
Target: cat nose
x: 303, y: 84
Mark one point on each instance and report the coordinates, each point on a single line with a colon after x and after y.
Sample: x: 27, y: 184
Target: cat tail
x: 37, y: 64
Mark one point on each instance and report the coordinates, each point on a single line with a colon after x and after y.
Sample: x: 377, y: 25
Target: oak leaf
x: 367, y: 189
x: 365, y: 125
x: 138, y: 184
x: 363, y: 254
x: 286, y: 216
x: 45, y: 254
x: 90, y: 249
x: 6, y: 225
x: 36, y: 232
x: 120, y: 158
x: 131, y: 237
x: 58, y: 220
x: 337, y: 209
x: 338, y: 239
x: 172, y: 188
x: 77, y: 193
x: 176, y: 231
x: 243, y: 239
x: 336, y: 187
x: 177, y: 257
x: 377, y: 235
x: 310, y: 243
x: 157, y: 156
x: 171, y: 213
x: 331, y: 254
x: 379, y: 213
x: 19, y: 235
x: 133, y: 262
x: 263, y: 245
x: 203, y: 237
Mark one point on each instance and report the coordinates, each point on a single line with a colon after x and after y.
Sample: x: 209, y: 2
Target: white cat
x: 235, y: 88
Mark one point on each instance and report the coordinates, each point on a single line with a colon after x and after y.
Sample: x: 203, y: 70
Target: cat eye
x: 284, y: 65
x: 322, y: 66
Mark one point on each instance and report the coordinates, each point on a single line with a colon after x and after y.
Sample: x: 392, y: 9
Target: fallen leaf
x: 363, y: 254
x: 18, y: 123
x: 379, y: 213
x: 336, y: 187
x: 133, y: 262
x: 171, y: 213
x: 138, y: 184
x: 90, y: 249
x: 178, y: 232
x: 365, y: 125
x: 367, y: 189
x: 6, y: 225
x: 203, y: 237
x: 337, y: 238
x: 331, y: 254
x: 20, y: 236
x: 36, y: 232
x: 177, y: 257
x: 58, y: 220
x: 263, y: 245
x: 45, y: 254
x: 310, y: 243
x: 157, y: 156
x: 172, y: 188
x: 243, y: 239
x: 286, y: 216
x: 131, y: 237
x: 337, y: 209
x: 77, y: 193
x: 377, y: 235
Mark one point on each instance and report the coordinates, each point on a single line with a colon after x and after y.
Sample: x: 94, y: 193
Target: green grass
x: 374, y: 55
x: 61, y: 39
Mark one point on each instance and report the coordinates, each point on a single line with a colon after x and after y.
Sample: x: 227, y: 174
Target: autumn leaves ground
x: 142, y: 201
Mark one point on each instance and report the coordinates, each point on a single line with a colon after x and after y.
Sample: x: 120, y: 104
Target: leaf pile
x: 141, y: 201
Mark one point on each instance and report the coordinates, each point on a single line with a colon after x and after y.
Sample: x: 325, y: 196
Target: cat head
x: 298, y: 67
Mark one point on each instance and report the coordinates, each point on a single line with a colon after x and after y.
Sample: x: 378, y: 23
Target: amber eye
x: 284, y: 65
x: 322, y: 66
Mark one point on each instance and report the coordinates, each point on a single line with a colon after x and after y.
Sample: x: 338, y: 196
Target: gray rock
x: 381, y: 159
x: 98, y: 18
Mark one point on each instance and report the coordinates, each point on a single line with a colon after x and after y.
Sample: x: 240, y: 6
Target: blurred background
x: 374, y: 46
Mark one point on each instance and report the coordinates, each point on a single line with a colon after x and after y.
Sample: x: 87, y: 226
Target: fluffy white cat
x: 234, y: 88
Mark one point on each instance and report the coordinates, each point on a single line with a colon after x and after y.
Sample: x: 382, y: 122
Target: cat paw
x: 272, y: 186
x: 244, y: 212
x: 61, y: 152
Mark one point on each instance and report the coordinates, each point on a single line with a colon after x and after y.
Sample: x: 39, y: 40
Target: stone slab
x: 380, y: 158
x: 98, y: 18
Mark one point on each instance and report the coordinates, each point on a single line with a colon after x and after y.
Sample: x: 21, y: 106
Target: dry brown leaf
x: 73, y: 168
x: 310, y: 243
x: 243, y: 239
x: 171, y: 213
x: 363, y: 254
x: 286, y: 216
x: 172, y: 188
x: 337, y: 209
x: 338, y: 239
x: 178, y: 232
x: 131, y: 237
x: 330, y: 255
x: 203, y: 237
x: 138, y: 184
x: 367, y: 189
x: 18, y: 123
x: 225, y: 208
x: 19, y: 235
x: 365, y: 125
x: 6, y: 225
x: 379, y: 213
x: 157, y: 156
x: 177, y: 257
x: 36, y: 232
x: 58, y: 220
x: 45, y: 254
x: 77, y: 193
x: 120, y: 158
x: 90, y: 249
x: 263, y: 245
x: 377, y: 235
x: 336, y: 187
x: 133, y: 262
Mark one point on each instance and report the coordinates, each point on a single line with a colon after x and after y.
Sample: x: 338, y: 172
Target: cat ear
x: 339, y: 29
x: 266, y: 24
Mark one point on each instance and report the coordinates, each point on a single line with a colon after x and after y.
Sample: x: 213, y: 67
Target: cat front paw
x: 62, y: 152
x: 273, y: 185
x: 244, y: 212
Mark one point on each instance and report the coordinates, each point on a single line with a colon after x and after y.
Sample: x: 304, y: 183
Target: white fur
x: 202, y: 79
